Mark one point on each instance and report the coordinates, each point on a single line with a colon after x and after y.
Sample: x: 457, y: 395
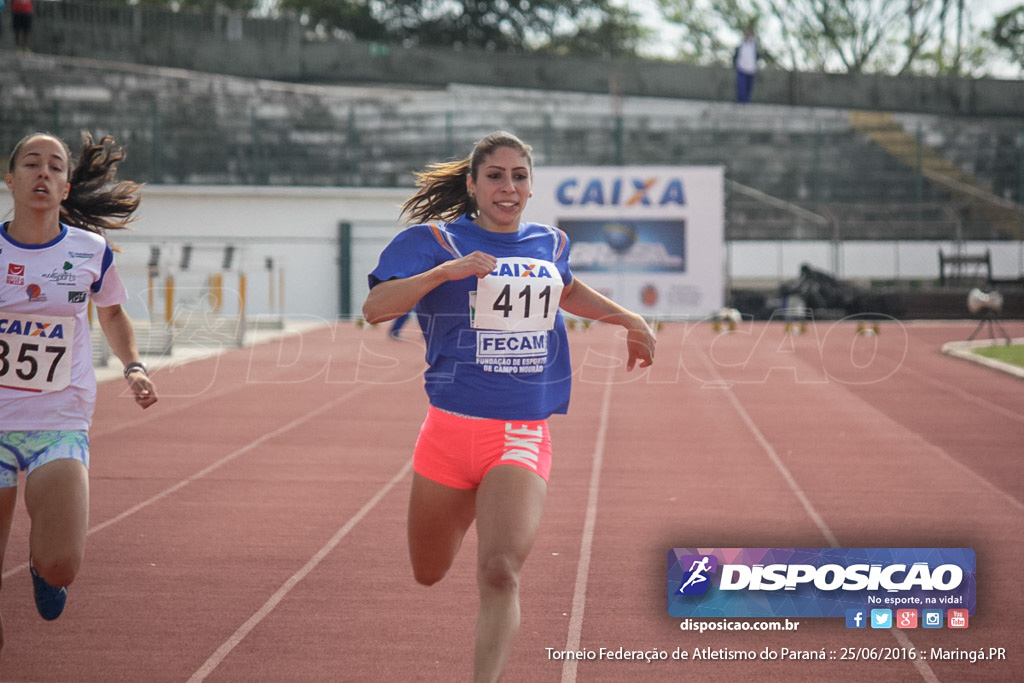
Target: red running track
x: 251, y: 526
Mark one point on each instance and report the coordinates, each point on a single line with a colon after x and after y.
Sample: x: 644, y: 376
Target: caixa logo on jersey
x: 620, y: 191
x: 31, y: 326
x: 510, y: 268
x: 816, y: 582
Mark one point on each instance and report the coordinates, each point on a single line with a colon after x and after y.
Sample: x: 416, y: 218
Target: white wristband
x: 133, y: 366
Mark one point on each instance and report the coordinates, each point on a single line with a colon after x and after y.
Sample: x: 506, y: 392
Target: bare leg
x: 438, y: 519
x: 57, y: 499
x: 8, y: 499
x: 510, y: 503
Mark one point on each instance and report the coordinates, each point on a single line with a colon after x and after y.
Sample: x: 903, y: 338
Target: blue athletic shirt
x: 491, y: 373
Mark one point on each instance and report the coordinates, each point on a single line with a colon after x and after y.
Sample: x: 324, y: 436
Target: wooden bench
x: 964, y: 269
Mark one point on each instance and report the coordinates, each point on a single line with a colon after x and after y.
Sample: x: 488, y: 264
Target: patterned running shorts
x: 29, y: 450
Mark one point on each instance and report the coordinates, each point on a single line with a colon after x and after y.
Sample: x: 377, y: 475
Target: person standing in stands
x: 21, y: 22
x: 487, y: 289
x: 745, y: 60
x: 54, y: 261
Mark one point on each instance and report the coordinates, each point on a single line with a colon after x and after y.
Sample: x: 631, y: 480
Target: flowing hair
x: 96, y: 200
x: 442, y: 193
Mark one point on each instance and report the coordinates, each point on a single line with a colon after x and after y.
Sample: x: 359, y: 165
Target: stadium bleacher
x: 793, y: 172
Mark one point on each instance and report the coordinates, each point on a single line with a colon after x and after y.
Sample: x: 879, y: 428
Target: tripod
x: 992, y: 318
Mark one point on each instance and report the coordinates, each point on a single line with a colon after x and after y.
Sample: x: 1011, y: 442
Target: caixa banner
x: 817, y: 582
x: 650, y: 237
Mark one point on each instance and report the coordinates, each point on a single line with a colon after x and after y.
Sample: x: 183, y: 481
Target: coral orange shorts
x: 458, y: 451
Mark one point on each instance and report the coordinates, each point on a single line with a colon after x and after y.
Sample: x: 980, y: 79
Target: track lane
x: 873, y: 482
x: 680, y: 468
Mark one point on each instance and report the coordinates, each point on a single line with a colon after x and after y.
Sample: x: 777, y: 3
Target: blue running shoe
x: 49, y: 600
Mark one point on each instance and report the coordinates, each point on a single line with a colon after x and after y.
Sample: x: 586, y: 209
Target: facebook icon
x: 856, y: 618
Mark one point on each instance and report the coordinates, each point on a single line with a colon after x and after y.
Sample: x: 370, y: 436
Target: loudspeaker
x: 979, y: 301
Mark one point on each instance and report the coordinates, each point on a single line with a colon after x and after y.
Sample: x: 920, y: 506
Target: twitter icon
x: 881, y: 618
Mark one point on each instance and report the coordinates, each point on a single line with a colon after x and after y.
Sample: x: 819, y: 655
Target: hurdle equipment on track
x: 727, y: 319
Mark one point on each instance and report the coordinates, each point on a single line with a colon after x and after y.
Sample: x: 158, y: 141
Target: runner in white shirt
x: 49, y: 271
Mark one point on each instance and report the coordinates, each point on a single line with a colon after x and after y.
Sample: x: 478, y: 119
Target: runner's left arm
x: 117, y: 327
x: 581, y: 300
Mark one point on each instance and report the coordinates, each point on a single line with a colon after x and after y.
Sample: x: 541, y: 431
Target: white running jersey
x: 46, y: 375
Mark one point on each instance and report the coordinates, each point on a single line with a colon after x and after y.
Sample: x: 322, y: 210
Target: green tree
x: 329, y: 16
x: 845, y: 36
x: 590, y: 27
x: 204, y: 5
x: 1008, y: 34
x: 615, y: 33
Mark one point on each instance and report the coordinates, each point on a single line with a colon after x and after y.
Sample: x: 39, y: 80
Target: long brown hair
x: 443, y: 194
x: 96, y: 200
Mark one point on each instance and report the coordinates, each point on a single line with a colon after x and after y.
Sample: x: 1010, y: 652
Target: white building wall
x: 298, y: 229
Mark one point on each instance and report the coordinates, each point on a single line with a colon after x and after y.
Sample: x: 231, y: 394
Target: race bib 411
x: 520, y: 295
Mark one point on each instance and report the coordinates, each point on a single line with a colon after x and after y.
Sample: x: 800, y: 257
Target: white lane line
x: 966, y: 396
x: 579, y: 596
x: 783, y: 470
x: 210, y: 468
x: 238, y: 636
x: 922, y: 667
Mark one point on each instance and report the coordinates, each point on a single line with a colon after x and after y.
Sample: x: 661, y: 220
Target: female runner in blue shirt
x: 487, y: 290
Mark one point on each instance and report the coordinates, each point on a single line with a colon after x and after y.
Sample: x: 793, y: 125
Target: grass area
x: 1013, y: 354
